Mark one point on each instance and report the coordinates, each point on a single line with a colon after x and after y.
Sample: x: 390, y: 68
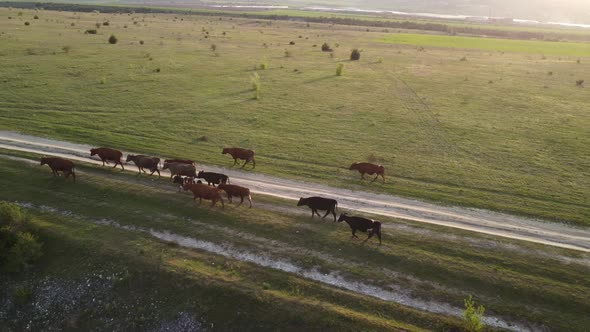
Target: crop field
x: 229, y: 266
x: 492, y: 129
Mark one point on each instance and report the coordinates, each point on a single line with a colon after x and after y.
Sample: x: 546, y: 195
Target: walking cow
x: 203, y: 191
x: 60, y: 165
x: 108, y: 154
x: 233, y: 190
x: 142, y: 162
x: 363, y: 225
x: 180, y: 169
x: 319, y: 203
x: 213, y: 178
x: 243, y: 154
x: 370, y: 169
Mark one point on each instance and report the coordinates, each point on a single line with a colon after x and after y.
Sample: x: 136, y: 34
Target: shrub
x: 355, y: 55
x: 105, y: 23
x: 472, y: 317
x: 255, y: 80
x: 463, y: 59
x: 113, y: 39
x: 326, y: 47
x: 97, y: 25
x: 25, y: 250
x: 288, y: 54
x: 339, y: 69
x: 263, y: 64
x: 35, y: 17
x: 103, y: 80
x: 10, y: 214
x: 380, y: 60
x: 291, y: 43
x: 141, y: 42
x: 580, y: 83
x: 27, y: 23
x: 73, y: 24
x: 213, y: 47
x: 90, y: 32
x: 66, y: 49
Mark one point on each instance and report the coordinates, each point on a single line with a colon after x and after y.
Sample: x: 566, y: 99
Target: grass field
x: 425, y: 262
x: 504, y: 131
x: 491, y: 44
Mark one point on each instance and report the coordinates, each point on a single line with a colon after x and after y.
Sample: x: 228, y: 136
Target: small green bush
x: 326, y: 47
x: 255, y: 80
x: 213, y: 47
x: 355, y: 55
x: 263, y: 64
x: 113, y: 39
x: 10, y: 214
x: 22, y: 294
x: 472, y: 317
x: 339, y: 69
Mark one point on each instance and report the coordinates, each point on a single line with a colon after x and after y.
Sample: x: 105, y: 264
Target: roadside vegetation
x: 420, y: 261
x: 492, y: 131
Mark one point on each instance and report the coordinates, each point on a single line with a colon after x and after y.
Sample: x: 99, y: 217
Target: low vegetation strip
x: 490, y: 44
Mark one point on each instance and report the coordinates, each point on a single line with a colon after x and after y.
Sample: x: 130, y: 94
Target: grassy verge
x: 504, y: 275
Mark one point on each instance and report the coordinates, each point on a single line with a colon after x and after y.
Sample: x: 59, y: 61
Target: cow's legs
x: 235, y: 162
x: 362, y: 176
x: 253, y: 163
x: 334, y: 213
x: 312, y: 213
x: 325, y: 215
x: 383, y: 176
x: 353, y: 234
x: 376, y: 176
x: 250, y: 200
x: 245, y: 163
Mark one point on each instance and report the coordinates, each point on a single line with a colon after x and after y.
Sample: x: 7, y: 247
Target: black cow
x: 319, y: 203
x: 362, y: 224
x: 213, y: 178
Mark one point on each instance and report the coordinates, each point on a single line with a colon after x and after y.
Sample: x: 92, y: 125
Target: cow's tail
x: 74, y: 172
x: 228, y: 180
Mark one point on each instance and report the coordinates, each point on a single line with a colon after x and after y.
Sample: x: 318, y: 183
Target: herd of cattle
x: 184, y: 173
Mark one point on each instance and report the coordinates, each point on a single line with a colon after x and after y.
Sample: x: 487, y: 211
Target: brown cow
x: 108, y: 154
x: 180, y: 169
x: 59, y: 164
x: 243, y: 154
x: 369, y: 169
x: 179, y: 161
x: 233, y: 190
x: 142, y: 162
x: 203, y: 191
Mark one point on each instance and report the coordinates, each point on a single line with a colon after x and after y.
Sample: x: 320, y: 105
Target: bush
x: 326, y: 47
x: 27, y: 23
x: 288, y: 54
x: 10, y: 214
x: 113, y: 39
x: 339, y: 69
x: 66, y: 49
x: 355, y: 55
x: 22, y: 294
x: 90, y: 32
x: 35, y: 17
x: 18, y: 246
x: 213, y: 47
x: 263, y: 64
x: 472, y: 318
x: 106, y: 23
x: 291, y: 43
x: 141, y: 42
x: 255, y: 80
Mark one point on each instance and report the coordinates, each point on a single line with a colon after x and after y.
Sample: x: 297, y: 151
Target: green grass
x: 506, y: 279
x: 495, y: 131
x: 491, y: 44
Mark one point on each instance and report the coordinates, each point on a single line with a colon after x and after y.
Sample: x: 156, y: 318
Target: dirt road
x: 482, y: 221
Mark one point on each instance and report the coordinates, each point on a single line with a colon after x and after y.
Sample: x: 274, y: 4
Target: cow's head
x: 200, y: 174
x: 342, y: 217
x: 93, y: 152
x: 43, y: 161
x: 166, y: 165
x: 353, y: 166
x: 129, y: 158
x: 225, y: 150
x: 302, y: 201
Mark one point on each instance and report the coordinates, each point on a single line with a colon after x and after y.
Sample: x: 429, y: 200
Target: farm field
x: 230, y: 266
x: 489, y: 129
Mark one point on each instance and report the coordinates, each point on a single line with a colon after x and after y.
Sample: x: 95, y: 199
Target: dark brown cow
x: 370, y: 169
x: 233, y: 190
x: 60, y: 165
x: 179, y: 161
x: 243, y: 154
x: 363, y: 225
x: 203, y: 191
x: 142, y: 162
x: 180, y: 169
x: 108, y: 154
x: 319, y: 203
